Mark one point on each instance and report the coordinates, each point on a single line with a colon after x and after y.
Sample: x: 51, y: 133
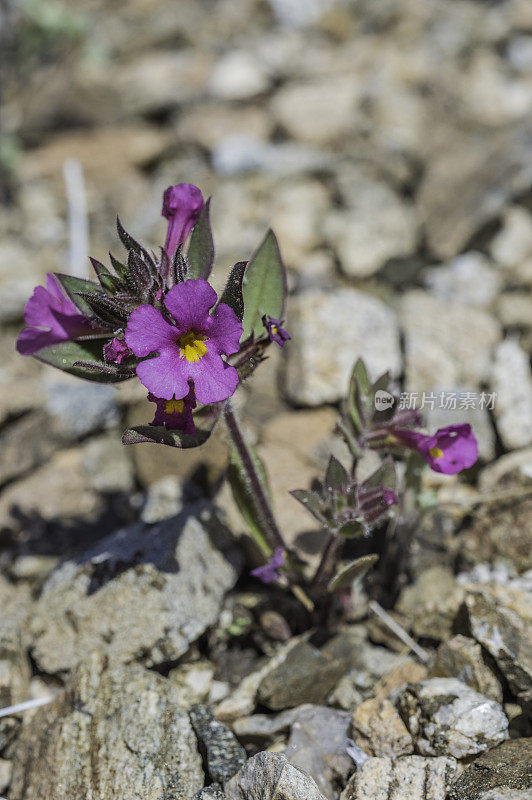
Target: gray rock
x: 143, y: 593
x: 164, y: 499
x: 512, y: 246
x: 240, y: 153
x: 107, y: 465
x: 368, y: 666
x: 15, y: 669
x: 498, y: 773
x: 212, y: 792
x: 379, y: 730
x: 79, y: 408
x: 17, y: 284
x: 24, y: 445
x: 462, y: 658
x: 431, y: 603
x: 505, y: 635
x: 238, y: 75
x: 467, y: 280
x: 446, y: 717
x: 511, y: 379
x: 409, y: 778
x: 317, y: 744
x: 118, y: 733
x: 299, y: 13
x: 269, y: 776
x: 193, y: 681
x: 262, y: 729
x: 224, y: 755
x: 5, y: 774
x: 330, y: 330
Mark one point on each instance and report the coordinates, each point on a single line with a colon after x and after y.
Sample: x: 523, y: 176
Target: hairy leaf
x: 245, y: 497
x: 353, y: 571
x: 232, y: 294
x: 312, y: 502
x: 205, y: 419
x: 264, y: 286
x: 67, y: 355
x: 200, y: 253
x: 77, y: 289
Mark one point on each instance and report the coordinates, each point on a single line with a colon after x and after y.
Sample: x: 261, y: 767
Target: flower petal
x: 165, y: 376
x: 189, y: 304
x: 224, y: 330
x: 214, y: 380
x: 147, y: 331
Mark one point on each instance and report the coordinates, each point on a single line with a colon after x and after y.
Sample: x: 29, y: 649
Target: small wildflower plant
x: 155, y: 317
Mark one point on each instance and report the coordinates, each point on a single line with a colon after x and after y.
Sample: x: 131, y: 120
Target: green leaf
x: 336, y: 475
x: 312, y: 502
x: 245, y: 498
x: 200, y: 255
x: 73, y: 285
x: 385, y: 476
x: 264, y: 286
x: 205, y: 419
x: 232, y: 294
x: 65, y: 355
x: 353, y: 530
x: 359, y: 385
x: 353, y: 571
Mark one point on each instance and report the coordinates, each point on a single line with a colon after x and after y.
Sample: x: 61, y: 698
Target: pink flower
x: 181, y: 207
x: 449, y: 450
x: 115, y: 351
x: 51, y: 318
x: 189, y: 344
x: 276, y: 333
x: 174, y: 414
x: 269, y: 572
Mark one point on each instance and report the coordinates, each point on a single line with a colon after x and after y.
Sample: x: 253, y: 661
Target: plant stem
x: 255, y: 483
x: 327, y: 556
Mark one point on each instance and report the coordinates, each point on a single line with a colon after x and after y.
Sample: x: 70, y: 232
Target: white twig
x: 10, y: 710
x: 399, y: 631
x: 78, y: 226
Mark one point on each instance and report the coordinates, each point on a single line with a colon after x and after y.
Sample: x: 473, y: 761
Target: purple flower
x: 449, y: 450
x: 115, y: 351
x: 51, y: 318
x: 276, y: 333
x: 174, y: 414
x: 189, y: 347
x: 269, y: 572
x: 374, y: 502
x: 181, y: 207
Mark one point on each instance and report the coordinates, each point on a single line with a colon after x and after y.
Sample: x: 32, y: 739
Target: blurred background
x: 387, y: 142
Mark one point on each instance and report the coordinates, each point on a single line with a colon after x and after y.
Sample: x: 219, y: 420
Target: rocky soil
x: 389, y: 144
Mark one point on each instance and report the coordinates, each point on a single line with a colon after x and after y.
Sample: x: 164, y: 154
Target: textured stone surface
x: 379, y: 730
x: 224, y: 755
x: 501, y: 771
x: 511, y: 379
x: 143, y: 593
x: 462, y: 658
x: 409, y: 778
x: 15, y: 669
x: 118, y: 733
x: 431, y: 603
x: 330, y: 330
x: 446, y: 717
x: 269, y: 776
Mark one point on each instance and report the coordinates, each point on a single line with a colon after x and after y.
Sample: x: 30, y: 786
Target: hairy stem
x: 328, y: 556
x: 263, y: 504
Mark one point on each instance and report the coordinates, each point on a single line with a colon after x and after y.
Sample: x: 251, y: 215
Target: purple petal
x: 224, y: 330
x: 214, y: 380
x: 31, y: 340
x: 189, y: 304
x: 183, y: 421
x: 165, y: 376
x: 148, y: 331
x: 181, y: 207
x: 269, y: 572
x: 115, y: 351
x: 458, y: 447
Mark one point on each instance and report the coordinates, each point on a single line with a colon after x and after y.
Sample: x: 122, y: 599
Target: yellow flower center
x: 174, y: 406
x: 274, y: 329
x: 192, y: 346
x: 436, y: 452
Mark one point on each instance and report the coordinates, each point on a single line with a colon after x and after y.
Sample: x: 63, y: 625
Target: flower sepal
x: 205, y: 419
x: 84, y: 359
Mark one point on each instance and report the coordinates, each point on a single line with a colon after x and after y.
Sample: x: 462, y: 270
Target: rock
x: 212, y: 792
x: 307, y: 675
x: 505, y: 635
x: 17, y: 285
x: 224, y: 755
x: 164, y: 499
x: 446, y: 717
x: 468, y: 280
x: 501, y: 532
x: 298, y: 217
x: 299, y: 13
x: 211, y: 124
x: 317, y: 745
x: 262, y: 730
x: 269, y: 776
x: 130, y: 718
x: 107, y: 465
x: 330, y: 331
x: 79, y: 408
x: 468, y: 181
x: 24, y: 445
x: 410, y: 778
x: 238, y: 76
x: 512, y: 246
x: 15, y: 669
x: 445, y: 345
x: 368, y: 666
x: 318, y: 112
x: 193, y: 681
x: 377, y: 226
x: 171, y: 577
x: 431, y: 603
x: 379, y: 730
x: 240, y: 153
x: 514, y: 310
x: 504, y: 772
x: 462, y: 658
x: 511, y: 380
x: 5, y: 774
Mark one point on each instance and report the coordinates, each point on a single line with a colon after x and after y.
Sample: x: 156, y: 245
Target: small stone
x: 499, y: 773
x: 224, y: 754
x: 462, y: 658
x: 238, y: 76
x: 409, y: 778
x: 192, y: 681
x: 468, y: 280
x: 269, y: 776
x: 79, y: 408
x: 15, y: 669
x: 379, y: 730
x: 17, y: 285
x: 131, y: 718
x: 262, y: 730
x: 511, y: 380
x: 330, y: 330
x: 317, y: 744
x: 512, y: 246
x: 446, y: 717
x: 5, y: 774
x: 164, y: 499
x: 170, y: 577
x: 431, y: 603
x: 107, y: 465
